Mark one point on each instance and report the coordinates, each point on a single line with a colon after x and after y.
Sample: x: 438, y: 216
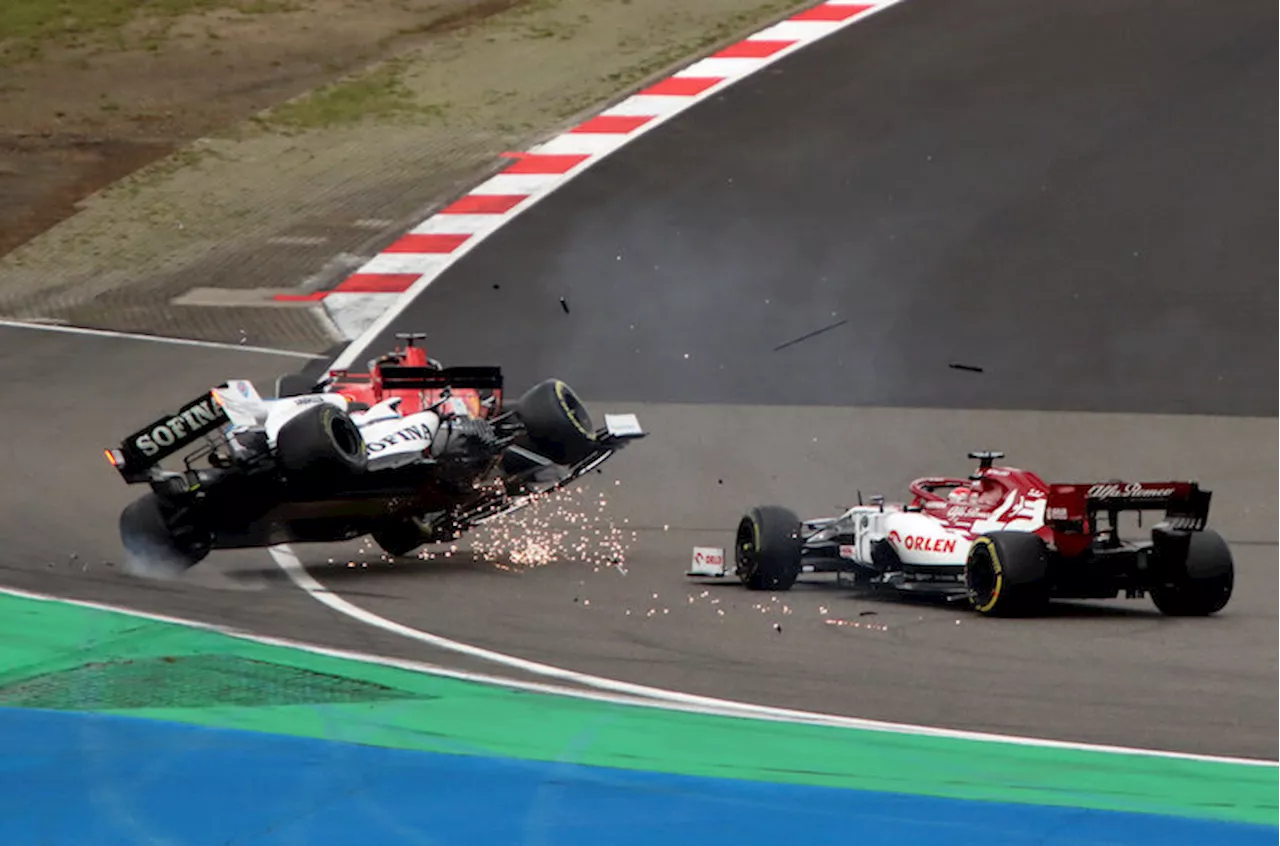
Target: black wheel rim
x: 577, y: 411
x: 745, y: 552
x: 979, y: 575
x: 346, y: 436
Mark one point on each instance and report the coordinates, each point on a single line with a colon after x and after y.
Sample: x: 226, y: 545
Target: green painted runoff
x: 55, y: 655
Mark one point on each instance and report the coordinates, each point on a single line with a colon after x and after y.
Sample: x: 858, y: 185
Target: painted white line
x: 157, y: 339
x: 659, y: 697
x: 299, y: 240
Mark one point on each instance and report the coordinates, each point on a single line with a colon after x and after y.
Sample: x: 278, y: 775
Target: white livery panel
x: 922, y: 540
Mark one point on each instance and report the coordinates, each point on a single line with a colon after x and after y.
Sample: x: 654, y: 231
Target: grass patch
x: 378, y: 94
x: 157, y: 172
x: 27, y: 27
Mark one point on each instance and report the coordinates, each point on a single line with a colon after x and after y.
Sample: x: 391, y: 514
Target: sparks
x: 555, y: 528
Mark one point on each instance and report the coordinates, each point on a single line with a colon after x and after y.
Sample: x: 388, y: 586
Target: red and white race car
x: 1004, y: 539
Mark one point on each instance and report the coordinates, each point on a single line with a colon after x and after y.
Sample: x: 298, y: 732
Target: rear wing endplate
x: 154, y: 442
x: 1186, y: 504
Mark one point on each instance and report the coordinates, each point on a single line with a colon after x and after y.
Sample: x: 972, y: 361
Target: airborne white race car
x: 410, y: 452
x: 1003, y: 539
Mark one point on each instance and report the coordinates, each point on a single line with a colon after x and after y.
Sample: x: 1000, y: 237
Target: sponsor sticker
x: 191, y: 422
x: 1127, y: 490
x: 923, y: 543
x: 707, y: 561
x: 413, y: 432
x: 848, y: 550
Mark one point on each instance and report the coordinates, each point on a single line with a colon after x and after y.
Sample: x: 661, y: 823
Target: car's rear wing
x: 403, y: 377
x: 1075, y: 507
x: 151, y: 444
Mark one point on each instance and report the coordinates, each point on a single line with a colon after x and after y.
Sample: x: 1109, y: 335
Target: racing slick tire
x: 556, y: 423
x: 767, y: 548
x: 400, y: 538
x: 1007, y: 574
x: 294, y: 385
x: 320, y: 442
x: 156, y: 545
x: 1200, y: 583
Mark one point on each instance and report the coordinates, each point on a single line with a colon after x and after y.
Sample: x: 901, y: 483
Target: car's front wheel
x: 556, y: 423
x: 767, y: 548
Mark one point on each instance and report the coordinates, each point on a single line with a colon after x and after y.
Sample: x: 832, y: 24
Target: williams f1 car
x: 410, y: 452
x: 1004, y: 540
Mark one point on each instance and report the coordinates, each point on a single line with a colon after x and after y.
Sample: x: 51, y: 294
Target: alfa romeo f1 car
x: 410, y: 452
x: 1005, y: 540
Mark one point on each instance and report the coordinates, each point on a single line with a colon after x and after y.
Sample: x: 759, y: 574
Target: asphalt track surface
x: 1066, y: 195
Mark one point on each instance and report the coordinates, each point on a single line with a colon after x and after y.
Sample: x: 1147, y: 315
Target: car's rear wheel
x: 556, y: 423
x: 1007, y: 574
x: 767, y: 548
x: 319, y: 443
x: 400, y: 538
x: 1201, y: 582
x: 158, y: 542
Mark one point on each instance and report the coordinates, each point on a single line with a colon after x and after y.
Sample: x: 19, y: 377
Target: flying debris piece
x: 809, y: 335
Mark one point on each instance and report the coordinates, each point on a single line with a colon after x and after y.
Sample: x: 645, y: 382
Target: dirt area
x: 280, y: 141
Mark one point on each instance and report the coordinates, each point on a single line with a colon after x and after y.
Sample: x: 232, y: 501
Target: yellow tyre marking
x: 999, y: 573
x: 560, y: 386
x: 755, y: 533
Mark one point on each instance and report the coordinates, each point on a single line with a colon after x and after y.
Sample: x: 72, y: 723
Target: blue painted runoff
x: 68, y: 778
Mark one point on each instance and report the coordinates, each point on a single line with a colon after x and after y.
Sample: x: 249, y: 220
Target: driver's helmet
x: 960, y: 494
